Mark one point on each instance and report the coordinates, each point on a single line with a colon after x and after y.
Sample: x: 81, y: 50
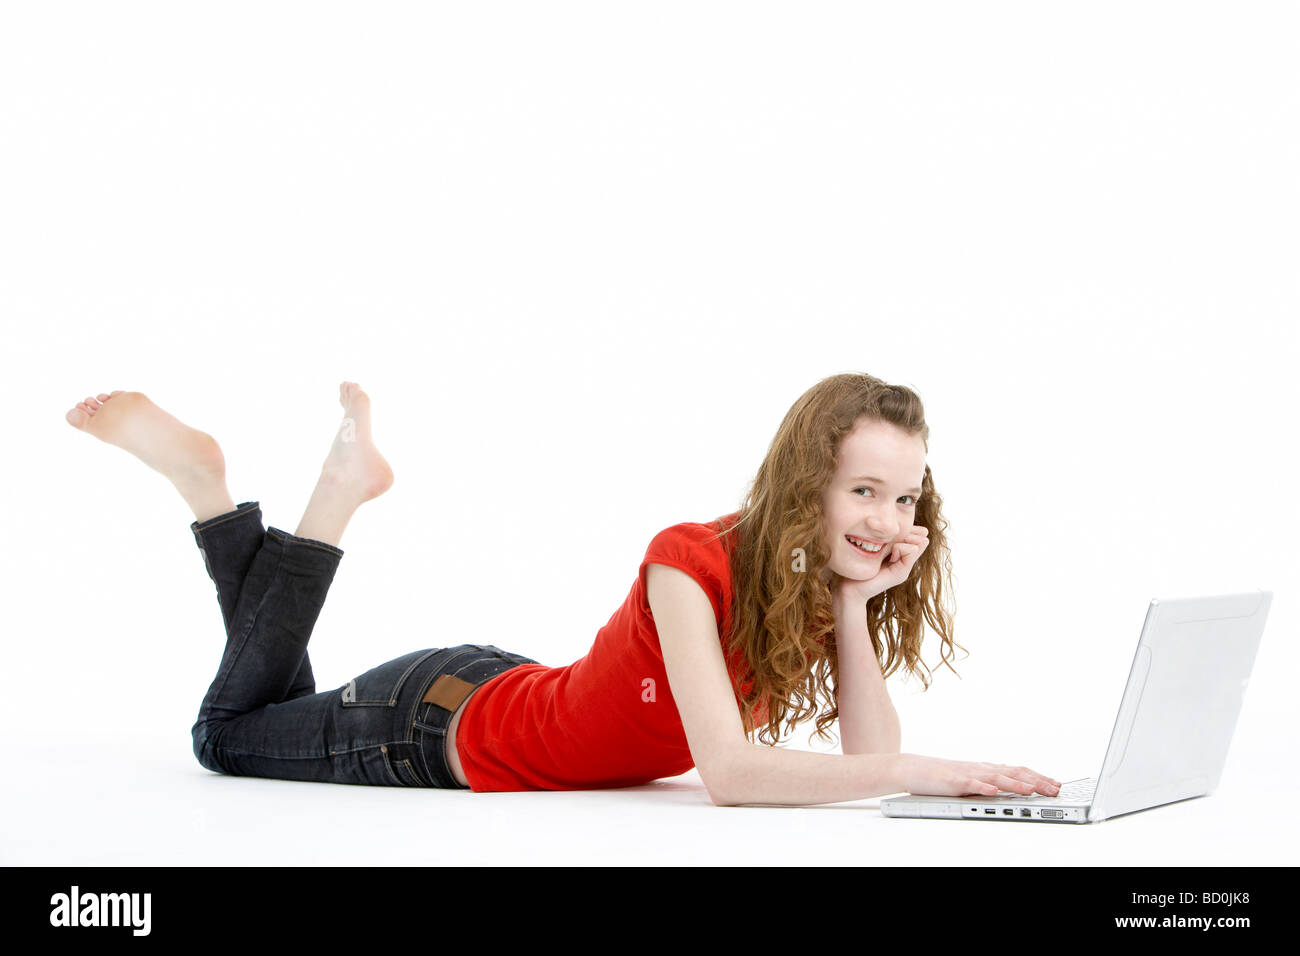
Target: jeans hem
x: 287, y: 538
x: 243, y: 508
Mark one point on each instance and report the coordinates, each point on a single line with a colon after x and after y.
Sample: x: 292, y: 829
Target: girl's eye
x: 912, y: 505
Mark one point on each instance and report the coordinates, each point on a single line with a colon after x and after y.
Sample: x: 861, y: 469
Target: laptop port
x: 1024, y: 812
x: 1008, y: 813
x: 990, y: 811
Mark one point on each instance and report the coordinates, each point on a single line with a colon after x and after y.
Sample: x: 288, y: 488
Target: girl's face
x: 872, y: 495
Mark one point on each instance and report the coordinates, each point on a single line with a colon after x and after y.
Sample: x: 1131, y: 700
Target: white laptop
x: 1175, y: 721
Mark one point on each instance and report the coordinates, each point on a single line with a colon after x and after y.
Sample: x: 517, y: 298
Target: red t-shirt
x: 608, y: 719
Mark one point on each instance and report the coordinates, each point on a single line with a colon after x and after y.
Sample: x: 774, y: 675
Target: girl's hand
x: 895, y: 566
x: 957, y: 778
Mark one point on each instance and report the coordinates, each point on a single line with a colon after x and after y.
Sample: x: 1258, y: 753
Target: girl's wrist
x: 850, y: 611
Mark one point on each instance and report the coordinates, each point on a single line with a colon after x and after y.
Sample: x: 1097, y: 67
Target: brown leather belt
x: 449, y: 692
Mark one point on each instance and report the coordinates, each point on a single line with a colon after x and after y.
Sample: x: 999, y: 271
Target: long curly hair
x: 782, y: 619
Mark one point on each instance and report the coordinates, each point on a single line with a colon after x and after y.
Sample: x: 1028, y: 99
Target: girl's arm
x: 868, y: 721
x: 734, y: 770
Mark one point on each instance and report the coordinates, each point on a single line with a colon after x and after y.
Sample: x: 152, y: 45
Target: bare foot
x: 353, y: 460
x: 192, y: 460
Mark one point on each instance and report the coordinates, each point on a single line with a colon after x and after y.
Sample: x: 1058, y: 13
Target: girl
x: 730, y: 626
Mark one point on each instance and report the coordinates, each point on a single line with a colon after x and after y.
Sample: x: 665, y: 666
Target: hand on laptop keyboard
x: 1080, y: 790
x: 956, y: 778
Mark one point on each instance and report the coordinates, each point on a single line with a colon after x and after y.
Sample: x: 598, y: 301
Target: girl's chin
x: 856, y: 574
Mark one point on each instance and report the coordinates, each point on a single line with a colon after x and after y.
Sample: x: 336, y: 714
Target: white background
x: 583, y: 257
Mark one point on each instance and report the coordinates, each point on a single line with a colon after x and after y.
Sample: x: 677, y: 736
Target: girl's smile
x: 863, y: 552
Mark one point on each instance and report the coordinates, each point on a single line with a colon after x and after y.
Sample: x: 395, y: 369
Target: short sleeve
x: 687, y: 547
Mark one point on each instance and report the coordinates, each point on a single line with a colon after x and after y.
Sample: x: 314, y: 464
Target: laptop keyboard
x: 1072, y: 791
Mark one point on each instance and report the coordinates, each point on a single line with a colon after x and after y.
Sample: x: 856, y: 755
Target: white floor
x: 145, y: 801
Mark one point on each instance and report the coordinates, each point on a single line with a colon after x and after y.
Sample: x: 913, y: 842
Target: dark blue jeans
x: 262, y: 716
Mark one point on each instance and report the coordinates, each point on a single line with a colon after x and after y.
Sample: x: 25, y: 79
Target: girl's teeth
x: 867, y: 548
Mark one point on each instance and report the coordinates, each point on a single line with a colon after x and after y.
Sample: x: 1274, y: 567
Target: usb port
x: 990, y: 811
